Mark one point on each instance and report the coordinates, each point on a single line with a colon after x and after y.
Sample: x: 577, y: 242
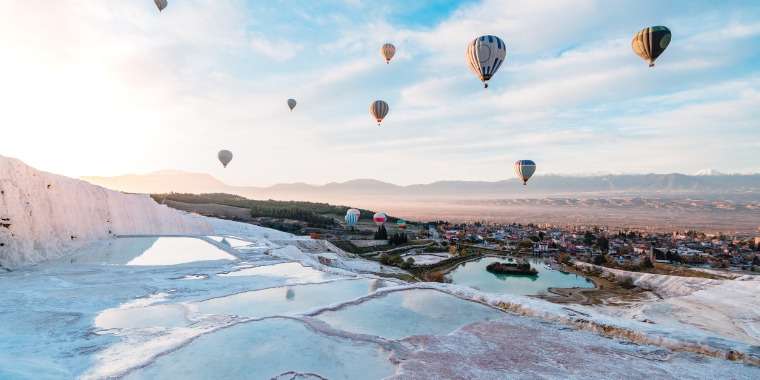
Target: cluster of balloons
x: 484, y: 56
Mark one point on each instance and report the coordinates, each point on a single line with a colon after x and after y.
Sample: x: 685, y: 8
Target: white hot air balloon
x: 161, y: 4
x: 225, y: 156
x: 485, y: 55
x: 291, y: 104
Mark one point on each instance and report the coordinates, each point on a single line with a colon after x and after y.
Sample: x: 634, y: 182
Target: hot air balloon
x: 485, y: 55
x: 352, y: 217
x: 525, y: 170
x: 379, y: 218
x: 225, y: 156
x: 291, y: 104
x: 378, y: 109
x: 161, y: 4
x: 649, y: 43
x: 401, y: 224
x: 388, y: 50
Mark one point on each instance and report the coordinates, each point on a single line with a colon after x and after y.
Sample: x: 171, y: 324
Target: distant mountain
x: 708, y: 172
x: 162, y: 181
x: 539, y: 186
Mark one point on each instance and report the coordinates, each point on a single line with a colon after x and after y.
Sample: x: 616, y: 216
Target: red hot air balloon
x: 380, y: 218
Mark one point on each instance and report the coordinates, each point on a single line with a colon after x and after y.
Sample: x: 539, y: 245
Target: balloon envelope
x: 525, y: 169
x: 649, y: 43
x: 401, y: 224
x: 380, y: 218
x: 388, y: 51
x: 225, y: 156
x: 351, y: 218
x: 485, y: 55
x: 161, y: 4
x: 291, y: 104
x: 379, y: 109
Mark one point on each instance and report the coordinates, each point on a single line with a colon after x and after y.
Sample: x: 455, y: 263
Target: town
x: 600, y: 245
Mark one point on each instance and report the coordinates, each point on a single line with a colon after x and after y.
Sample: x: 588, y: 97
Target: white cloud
x: 278, y: 50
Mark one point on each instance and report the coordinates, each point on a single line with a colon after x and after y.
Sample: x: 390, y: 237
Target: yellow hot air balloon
x: 378, y: 109
x: 649, y: 43
x: 388, y: 51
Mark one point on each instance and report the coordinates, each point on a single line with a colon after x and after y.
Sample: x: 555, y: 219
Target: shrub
x: 437, y: 276
x: 626, y: 282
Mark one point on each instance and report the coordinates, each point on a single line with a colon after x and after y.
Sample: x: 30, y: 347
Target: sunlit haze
x: 113, y: 87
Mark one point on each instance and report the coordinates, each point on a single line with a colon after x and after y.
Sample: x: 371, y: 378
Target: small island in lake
x: 512, y: 267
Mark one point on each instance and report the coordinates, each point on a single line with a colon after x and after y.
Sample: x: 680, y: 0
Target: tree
x: 541, y: 235
x: 588, y: 238
x: 382, y: 233
x: 603, y: 243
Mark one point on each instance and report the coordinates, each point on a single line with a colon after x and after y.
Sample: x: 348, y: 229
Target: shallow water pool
x: 267, y: 349
x: 149, y: 251
x: 287, y: 300
x: 475, y: 275
x: 409, y: 312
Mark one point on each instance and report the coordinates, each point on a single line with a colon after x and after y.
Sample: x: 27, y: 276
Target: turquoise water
x: 266, y: 349
x: 410, y: 312
x: 475, y: 275
x: 288, y: 300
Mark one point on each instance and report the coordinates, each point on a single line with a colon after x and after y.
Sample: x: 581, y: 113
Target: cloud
x: 144, y: 90
x: 278, y: 50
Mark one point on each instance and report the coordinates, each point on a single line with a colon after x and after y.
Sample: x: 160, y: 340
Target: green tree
x: 603, y: 243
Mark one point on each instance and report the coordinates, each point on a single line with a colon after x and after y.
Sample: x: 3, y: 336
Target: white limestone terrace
x: 43, y: 215
x: 88, y: 309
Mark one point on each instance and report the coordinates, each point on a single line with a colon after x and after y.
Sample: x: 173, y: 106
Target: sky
x: 114, y: 87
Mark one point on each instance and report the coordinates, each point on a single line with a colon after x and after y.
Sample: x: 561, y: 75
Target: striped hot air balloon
x: 380, y: 218
x: 379, y: 109
x: 291, y: 104
x: 161, y: 4
x: 388, y: 51
x: 352, y: 217
x: 401, y: 224
x: 525, y: 169
x: 649, y: 43
x: 485, y: 55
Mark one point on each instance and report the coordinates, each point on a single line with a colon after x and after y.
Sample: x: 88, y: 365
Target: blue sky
x: 114, y: 87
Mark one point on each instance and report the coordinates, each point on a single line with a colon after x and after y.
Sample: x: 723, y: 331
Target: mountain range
x: 540, y: 186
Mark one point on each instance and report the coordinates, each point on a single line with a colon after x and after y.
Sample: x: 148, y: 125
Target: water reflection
x: 290, y: 294
x: 475, y: 275
x: 142, y: 251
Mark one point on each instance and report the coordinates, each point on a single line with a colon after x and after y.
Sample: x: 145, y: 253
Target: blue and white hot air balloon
x: 485, y: 55
x: 352, y: 217
x: 525, y: 169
